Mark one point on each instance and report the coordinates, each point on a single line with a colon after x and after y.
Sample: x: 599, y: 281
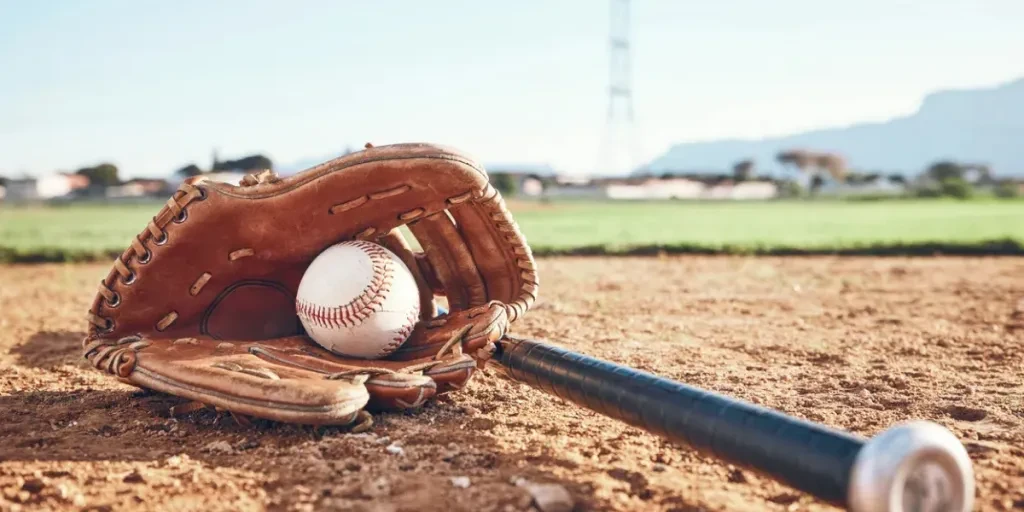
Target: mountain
x: 978, y: 126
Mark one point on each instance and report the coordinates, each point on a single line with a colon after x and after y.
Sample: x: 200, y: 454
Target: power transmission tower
x: 618, y: 150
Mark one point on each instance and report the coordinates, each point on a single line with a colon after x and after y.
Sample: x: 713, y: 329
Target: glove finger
x: 398, y: 391
x: 476, y: 329
x: 226, y: 375
x: 453, y: 374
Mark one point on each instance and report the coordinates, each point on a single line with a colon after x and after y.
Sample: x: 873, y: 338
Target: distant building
x: 575, y: 190
x: 650, y: 188
x: 45, y: 187
x: 745, y: 190
x: 876, y: 186
x: 125, y: 190
x: 152, y: 187
x: 138, y: 188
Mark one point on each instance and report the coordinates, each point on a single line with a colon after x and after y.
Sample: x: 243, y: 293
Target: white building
x: 676, y: 188
x: 744, y: 190
x: 669, y: 188
x: 44, y: 187
x: 880, y: 186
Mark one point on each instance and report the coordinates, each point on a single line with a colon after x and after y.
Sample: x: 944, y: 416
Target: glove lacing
x: 155, y: 232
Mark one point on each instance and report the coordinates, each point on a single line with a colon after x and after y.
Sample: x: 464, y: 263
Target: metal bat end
x: 915, y: 466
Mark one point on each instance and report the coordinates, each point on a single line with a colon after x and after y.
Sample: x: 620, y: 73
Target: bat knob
x: 917, y: 466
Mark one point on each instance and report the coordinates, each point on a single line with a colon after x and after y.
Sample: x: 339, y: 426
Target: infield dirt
x: 855, y: 343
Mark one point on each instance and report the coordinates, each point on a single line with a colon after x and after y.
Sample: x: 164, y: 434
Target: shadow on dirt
x: 129, y: 425
x: 133, y: 426
x: 441, y: 441
x: 46, y: 349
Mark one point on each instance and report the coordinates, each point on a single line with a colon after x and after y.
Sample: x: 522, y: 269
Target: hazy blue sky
x: 152, y: 86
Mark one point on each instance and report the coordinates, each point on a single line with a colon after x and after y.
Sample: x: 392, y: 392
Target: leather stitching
x: 361, y: 200
x: 501, y: 219
x: 174, y: 210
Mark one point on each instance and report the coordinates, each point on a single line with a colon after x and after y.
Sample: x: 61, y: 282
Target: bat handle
x: 915, y: 466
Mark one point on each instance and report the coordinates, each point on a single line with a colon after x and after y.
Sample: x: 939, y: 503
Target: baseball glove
x: 201, y: 305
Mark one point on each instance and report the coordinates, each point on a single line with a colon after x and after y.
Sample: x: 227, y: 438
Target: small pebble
x: 219, y: 447
x: 394, y: 449
x: 460, y: 482
x: 548, y: 497
x: 34, y: 485
x: 135, y: 477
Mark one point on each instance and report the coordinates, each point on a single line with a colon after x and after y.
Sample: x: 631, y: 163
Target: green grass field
x: 84, y: 232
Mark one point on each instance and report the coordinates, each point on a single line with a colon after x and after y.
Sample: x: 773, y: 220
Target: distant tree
x: 798, y: 158
x: 830, y: 163
x: 103, y: 175
x: 816, y: 183
x: 667, y: 176
x: 897, y: 178
x: 505, y: 183
x: 3, y: 181
x: 956, y: 187
x: 249, y: 163
x: 949, y: 179
x: 790, y: 189
x: 188, y: 171
x: 1007, y: 190
x: 856, y: 177
x: 743, y: 170
x: 928, y: 191
x: 941, y: 171
x: 977, y: 174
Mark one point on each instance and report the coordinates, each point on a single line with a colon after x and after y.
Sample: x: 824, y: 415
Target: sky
x: 154, y: 86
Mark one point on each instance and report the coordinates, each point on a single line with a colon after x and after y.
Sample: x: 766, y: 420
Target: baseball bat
x: 914, y: 466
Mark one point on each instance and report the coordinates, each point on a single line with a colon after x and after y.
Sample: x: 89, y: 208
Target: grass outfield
x: 84, y: 232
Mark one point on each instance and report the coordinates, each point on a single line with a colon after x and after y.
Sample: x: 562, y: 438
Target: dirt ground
x: 856, y: 343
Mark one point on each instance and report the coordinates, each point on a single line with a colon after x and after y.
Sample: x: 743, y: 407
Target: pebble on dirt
x: 395, y: 449
x: 221, y: 447
x: 551, y: 497
x: 725, y: 324
x: 548, y: 497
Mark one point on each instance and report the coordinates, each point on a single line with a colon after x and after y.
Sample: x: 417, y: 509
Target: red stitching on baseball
x: 410, y: 323
x: 371, y: 300
x: 400, y: 336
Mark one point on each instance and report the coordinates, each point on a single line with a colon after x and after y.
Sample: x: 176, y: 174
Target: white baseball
x: 358, y: 299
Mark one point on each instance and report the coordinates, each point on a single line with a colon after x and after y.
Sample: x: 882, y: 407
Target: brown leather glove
x: 202, y: 303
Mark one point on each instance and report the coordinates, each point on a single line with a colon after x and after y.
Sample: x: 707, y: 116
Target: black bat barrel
x: 927, y: 464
